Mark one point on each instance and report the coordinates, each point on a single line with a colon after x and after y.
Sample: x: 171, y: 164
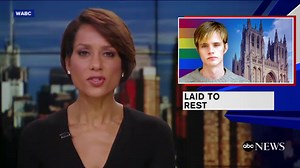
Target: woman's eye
x: 109, y: 54
x: 83, y: 53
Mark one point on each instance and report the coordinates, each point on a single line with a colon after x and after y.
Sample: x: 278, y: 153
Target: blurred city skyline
x: 152, y: 23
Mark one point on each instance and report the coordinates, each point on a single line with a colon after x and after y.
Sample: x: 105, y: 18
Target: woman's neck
x: 95, y: 111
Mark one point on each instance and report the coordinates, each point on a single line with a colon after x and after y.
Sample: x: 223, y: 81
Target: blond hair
x: 206, y: 30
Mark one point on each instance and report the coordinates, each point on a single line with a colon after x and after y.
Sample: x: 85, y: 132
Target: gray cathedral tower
x: 256, y: 65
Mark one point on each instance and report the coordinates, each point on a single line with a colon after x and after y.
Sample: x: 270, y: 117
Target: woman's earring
x: 68, y: 72
x: 122, y: 75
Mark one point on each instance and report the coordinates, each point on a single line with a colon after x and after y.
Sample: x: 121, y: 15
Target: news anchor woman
x: 96, y: 131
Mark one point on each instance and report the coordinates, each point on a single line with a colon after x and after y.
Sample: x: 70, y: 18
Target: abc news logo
x: 249, y: 146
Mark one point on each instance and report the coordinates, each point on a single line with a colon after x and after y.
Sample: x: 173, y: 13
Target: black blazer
x: 142, y: 142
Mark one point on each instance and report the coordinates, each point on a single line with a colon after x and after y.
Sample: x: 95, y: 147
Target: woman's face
x: 95, y: 66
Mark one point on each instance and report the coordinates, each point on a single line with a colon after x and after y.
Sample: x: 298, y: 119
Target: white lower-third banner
x: 196, y: 100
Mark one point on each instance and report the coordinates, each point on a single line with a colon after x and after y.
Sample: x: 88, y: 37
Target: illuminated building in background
x: 142, y: 90
x: 13, y: 79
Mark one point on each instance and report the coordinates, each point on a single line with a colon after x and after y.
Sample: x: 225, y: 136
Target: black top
x: 142, y: 141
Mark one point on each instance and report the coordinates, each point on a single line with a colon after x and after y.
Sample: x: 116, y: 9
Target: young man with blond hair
x: 211, y: 41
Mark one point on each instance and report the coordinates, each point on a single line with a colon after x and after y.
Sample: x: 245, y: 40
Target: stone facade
x: 258, y: 66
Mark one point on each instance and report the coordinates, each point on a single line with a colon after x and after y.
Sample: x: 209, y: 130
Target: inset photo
x: 236, y: 50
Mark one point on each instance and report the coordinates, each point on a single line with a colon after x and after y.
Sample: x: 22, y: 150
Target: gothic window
x: 252, y: 39
x: 259, y: 75
x: 257, y: 42
x: 248, y: 72
x: 255, y: 74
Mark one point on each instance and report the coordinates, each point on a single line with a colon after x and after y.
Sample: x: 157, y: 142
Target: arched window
x: 259, y: 79
x: 252, y: 39
x: 254, y: 74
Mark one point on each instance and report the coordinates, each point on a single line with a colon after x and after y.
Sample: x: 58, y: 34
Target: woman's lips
x: 96, y: 81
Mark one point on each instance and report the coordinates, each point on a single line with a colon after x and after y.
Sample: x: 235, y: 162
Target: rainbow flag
x: 188, y: 58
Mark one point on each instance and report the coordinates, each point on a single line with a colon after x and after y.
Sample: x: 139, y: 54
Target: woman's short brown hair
x: 109, y: 25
